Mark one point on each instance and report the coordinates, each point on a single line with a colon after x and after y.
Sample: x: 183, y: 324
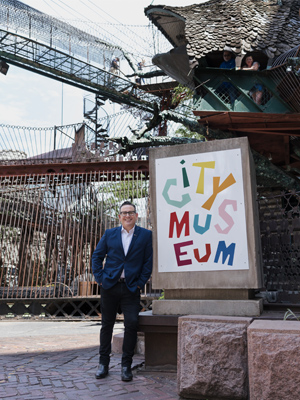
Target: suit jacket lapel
x: 119, y: 238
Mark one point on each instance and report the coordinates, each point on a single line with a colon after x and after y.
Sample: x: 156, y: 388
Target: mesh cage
x: 51, y: 224
x: 280, y: 238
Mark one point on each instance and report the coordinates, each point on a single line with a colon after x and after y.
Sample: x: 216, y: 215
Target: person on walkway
x: 127, y: 251
x: 226, y: 90
x: 114, y: 66
x: 140, y: 66
x: 257, y: 90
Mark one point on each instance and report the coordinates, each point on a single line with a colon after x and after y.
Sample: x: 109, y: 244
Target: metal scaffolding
x: 35, y: 41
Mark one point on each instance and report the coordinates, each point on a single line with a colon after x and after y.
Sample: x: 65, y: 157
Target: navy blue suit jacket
x: 137, y: 263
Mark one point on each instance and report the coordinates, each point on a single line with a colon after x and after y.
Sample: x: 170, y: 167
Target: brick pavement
x: 62, y: 367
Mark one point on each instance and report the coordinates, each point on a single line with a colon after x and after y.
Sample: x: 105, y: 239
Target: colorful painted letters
x: 182, y: 226
x: 200, y: 206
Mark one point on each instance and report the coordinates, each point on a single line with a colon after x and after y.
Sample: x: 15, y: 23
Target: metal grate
x: 280, y: 236
x: 50, y: 225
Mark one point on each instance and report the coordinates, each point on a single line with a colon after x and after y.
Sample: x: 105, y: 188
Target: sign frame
x: 219, y: 278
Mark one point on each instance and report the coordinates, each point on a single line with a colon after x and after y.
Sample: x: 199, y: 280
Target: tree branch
x: 151, y: 74
x: 267, y: 173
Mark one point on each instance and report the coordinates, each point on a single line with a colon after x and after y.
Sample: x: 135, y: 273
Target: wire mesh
x: 50, y: 225
x: 17, y: 17
x: 279, y: 214
x: 21, y: 145
x: 93, y: 41
x: 97, y: 49
x: 65, y: 144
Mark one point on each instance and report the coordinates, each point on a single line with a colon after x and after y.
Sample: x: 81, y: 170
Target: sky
x: 31, y: 100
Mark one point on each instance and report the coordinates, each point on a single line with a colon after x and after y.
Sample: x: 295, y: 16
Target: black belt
x: 121, y: 280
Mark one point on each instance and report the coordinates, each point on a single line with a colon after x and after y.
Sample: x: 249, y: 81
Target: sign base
x: 233, y: 308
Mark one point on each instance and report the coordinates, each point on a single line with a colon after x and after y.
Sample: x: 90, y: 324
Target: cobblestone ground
x: 63, y: 368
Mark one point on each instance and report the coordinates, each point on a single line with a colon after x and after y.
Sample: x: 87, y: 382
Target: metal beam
x: 63, y: 168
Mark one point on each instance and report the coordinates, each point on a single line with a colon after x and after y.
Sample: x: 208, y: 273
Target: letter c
x: 179, y: 204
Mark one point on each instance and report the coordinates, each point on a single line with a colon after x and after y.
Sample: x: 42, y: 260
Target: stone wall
x: 234, y: 358
x: 273, y: 359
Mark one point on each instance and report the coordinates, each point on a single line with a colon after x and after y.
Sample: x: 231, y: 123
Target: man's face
x: 128, y: 217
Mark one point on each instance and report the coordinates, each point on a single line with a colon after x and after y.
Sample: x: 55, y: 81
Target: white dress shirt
x: 126, y: 240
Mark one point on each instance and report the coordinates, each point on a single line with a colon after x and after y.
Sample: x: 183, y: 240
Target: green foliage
x: 290, y: 314
x: 185, y: 132
x: 115, y: 193
x: 181, y: 94
x: 182, y: 99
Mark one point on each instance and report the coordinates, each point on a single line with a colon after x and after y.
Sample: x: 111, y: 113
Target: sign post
x: 205, y: 229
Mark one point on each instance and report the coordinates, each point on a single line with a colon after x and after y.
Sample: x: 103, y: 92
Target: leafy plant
x: 289, y: 313
x: 181, y: 93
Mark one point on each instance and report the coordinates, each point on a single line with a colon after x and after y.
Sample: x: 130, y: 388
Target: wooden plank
x: 250, y: 116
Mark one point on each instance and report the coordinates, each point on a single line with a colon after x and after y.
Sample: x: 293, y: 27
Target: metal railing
x: 21, y: 145
x: 17, y: 17
x: 242, y: 91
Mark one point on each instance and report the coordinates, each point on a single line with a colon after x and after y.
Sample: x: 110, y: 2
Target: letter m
x: 179, y: 225
x: 227, y: 251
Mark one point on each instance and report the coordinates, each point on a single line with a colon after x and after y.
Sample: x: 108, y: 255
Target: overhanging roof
x: 275, y: 136
x: 271, y: 27
x: 171, y: 24
x: 274, y: 124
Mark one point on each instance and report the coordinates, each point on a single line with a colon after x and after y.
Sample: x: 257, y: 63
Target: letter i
x: 185, y: 178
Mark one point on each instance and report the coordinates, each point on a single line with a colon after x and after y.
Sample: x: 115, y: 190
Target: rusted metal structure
x: 54, y: 208
x: 53, y: 213
x: 50, y: 224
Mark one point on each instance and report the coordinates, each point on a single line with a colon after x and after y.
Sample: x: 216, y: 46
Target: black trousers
x: 111, y: 299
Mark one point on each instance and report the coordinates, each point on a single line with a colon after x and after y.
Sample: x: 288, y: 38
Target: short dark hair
x: 128, y: 203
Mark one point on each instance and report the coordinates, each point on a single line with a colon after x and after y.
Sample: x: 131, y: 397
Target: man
x: 114, y: 66
x: 226, y: 89
x: 127, y: 251
x: 229, y: 61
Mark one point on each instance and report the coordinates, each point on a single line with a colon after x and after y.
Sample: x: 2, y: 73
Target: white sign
x: 201, y: 222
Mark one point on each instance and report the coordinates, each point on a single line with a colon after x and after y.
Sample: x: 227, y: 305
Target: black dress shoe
x: 126, y: 374
x: 102, y: 371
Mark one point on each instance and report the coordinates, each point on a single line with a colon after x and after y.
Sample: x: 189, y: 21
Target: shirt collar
x: 124, y: 230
